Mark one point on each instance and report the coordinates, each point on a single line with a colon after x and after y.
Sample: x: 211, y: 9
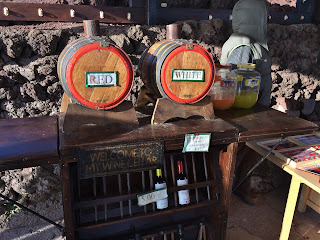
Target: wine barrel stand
x: 178, y: 70
x: 95, y: 73
x: 105, y: 206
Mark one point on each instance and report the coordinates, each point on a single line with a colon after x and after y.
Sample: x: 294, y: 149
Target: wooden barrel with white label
x: 178, y: 70
x: 95, y: 73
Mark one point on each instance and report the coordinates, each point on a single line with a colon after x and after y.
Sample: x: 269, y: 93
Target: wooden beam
x: 139, y: 12
x: 171, y: 15
x: 137, y: 3
x: 305, y: 6
x: 70, y: 13
x: 152, y: 12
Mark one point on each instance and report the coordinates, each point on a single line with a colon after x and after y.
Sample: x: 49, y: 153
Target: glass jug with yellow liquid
x: 248, y: 84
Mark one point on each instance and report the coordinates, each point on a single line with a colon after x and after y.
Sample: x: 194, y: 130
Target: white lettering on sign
x: 101, y: 79
x: 199, y: 142
x: 153, y: 196
x: 196, y: 75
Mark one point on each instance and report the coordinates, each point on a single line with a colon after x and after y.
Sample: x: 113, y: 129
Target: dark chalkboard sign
x: 112, y: 160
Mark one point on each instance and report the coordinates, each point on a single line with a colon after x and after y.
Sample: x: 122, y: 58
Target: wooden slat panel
x: 101, y: 201
x: 28, y: 142
x: 61, y: 12
x: 183, y: 211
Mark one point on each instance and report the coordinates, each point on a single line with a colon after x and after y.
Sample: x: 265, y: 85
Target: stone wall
x: 29, y: 85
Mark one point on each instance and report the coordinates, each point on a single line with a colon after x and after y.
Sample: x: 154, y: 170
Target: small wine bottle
x: 180, y: 232
x: 161, y: 183
x: 184, y: 197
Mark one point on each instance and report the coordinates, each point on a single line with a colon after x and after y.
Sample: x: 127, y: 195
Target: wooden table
x: 220, y: 162
x: 28, y: 142
x: 261, y: 122
x: 34, y: 142
x: 298, y: 177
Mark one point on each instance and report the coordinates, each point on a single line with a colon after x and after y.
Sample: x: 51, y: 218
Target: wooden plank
x: 136, y: 13
x: 261, y: 122
x: 126, y: 197
x: 137, y: 3
x: 314, y: 206
x: 227, y: 160
x: 28, y: 142
x: 61, y: 12
x: 165, y: 110
x: 290, y: 207
x: 172, y: 134
x: 122, y: 158
x: 78, y: 117
x: 304, y: 196
x: 64, y: 103
x: 66, y: 200
x: 287, y: 18
x: 169, y: 15
x: 152, y: 11
x: 182, y: 213
x: 305, y: 6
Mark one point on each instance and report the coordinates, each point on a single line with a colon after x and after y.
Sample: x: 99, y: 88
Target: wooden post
x: 152, y: 6
x: 91, y: 28
x: 137, y: 3
x: 316, y: 12
x: 305, y: 6
x: 173, y: 31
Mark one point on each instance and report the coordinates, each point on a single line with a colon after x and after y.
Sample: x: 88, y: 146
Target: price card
x: 198, y: 142
x: 153, y: 196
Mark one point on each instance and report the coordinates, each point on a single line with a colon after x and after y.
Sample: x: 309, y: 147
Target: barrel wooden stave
x: 176, y: 54
x: 93, y: 54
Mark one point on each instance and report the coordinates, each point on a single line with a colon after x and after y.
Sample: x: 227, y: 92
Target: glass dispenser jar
x: 223, y: 89
x: 248, y: 84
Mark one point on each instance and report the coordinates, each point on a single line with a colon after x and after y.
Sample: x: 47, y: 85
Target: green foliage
x: 11, y: 209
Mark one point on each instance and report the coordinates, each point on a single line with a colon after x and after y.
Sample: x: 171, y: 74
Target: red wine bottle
x: 160, y: 183
x: 184, y: 197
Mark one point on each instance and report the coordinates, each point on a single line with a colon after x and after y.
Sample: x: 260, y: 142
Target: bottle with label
x: 159, y: 184
x: 184, y: 197
x: 247, y: 86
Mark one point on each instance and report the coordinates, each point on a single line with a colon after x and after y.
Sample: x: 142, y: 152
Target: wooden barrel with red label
x: 178, y: 70
x: 95, y: 73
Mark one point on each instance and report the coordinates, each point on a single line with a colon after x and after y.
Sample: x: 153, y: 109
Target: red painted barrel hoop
x: 183, y: 48
x: 78, y: 55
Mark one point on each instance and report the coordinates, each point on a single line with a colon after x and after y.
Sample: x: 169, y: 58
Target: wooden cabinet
x: 106, y: 206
